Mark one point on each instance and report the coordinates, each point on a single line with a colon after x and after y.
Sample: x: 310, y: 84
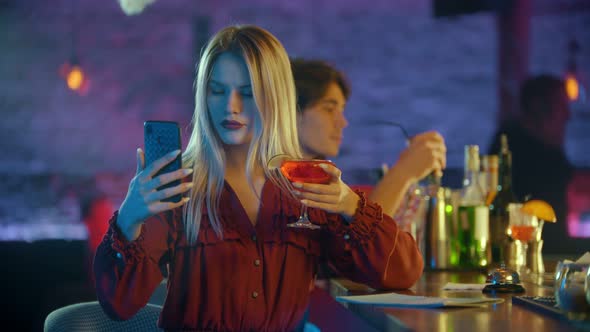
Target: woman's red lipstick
x: 231, y: 124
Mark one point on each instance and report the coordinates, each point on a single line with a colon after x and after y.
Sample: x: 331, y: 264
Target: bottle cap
x: 504, y: 143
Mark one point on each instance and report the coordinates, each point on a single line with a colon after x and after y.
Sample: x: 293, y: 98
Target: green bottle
x: 473, y: 216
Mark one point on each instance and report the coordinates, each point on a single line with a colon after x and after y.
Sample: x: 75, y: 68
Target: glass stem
x: 303, y: 215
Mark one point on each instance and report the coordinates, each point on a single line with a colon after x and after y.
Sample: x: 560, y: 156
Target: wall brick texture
x: 404, y: 66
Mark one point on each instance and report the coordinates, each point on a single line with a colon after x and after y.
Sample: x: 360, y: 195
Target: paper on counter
x: 463, y: 287
x: 584, y: 259
x: 412, y: 301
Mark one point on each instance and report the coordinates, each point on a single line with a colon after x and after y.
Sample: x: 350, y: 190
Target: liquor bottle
x: 483, y: 174
x: 499, y: 206
x: 490, y: 167
x: 473, y: 216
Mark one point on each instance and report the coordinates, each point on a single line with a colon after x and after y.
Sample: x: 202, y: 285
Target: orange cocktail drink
x: 306, y: 171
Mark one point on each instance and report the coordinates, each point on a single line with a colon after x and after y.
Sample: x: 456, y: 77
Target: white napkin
x: 584, y: 259
x: 454, y: 286
x: 411, y: 301
x: 578, y: 276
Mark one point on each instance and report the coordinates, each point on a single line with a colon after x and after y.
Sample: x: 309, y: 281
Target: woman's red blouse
x: 257, y: 278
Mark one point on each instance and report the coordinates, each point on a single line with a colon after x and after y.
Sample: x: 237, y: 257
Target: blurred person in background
x: 322, y: 93
x: 540, y: 167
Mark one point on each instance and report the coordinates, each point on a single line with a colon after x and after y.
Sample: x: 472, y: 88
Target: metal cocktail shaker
x: 440, y: 250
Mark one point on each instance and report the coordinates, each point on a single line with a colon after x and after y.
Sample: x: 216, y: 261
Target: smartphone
x: 160, y: 138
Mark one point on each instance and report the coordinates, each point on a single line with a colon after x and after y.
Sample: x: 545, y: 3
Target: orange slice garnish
x: 540, y: 209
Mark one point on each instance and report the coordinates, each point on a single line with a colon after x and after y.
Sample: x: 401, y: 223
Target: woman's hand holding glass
x: 143, y: 198
x: 334, y: 197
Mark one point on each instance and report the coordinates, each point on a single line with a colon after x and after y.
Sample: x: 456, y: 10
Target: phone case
x: 160, y: 138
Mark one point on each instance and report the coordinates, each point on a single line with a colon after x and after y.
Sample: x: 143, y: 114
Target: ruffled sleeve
x: 129, y: 252
x: 371, y: 248
x: 127, y: 272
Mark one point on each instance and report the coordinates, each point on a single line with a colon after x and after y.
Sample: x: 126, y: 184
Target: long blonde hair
x: 275, y: 124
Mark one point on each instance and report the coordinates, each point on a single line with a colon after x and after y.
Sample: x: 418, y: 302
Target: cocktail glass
x: 522, y: 228
x: 286, y: 170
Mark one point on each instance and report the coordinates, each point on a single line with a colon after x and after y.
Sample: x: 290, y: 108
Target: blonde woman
x: 234, y: 265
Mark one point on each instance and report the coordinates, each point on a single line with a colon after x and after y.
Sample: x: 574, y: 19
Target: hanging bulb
x: 573, y: 83
x: 572, y: 87
x: 71, y: 71
x: 74, y: 76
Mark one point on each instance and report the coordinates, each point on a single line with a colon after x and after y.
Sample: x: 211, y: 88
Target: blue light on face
x: 230, y: 99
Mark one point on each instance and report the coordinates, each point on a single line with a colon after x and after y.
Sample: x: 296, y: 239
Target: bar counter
x: 499, y: 317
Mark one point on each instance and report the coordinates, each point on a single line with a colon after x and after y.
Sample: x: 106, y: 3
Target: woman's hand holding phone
x: 143, y: 198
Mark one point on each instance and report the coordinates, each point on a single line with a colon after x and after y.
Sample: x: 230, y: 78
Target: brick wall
x: 404, y: 66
